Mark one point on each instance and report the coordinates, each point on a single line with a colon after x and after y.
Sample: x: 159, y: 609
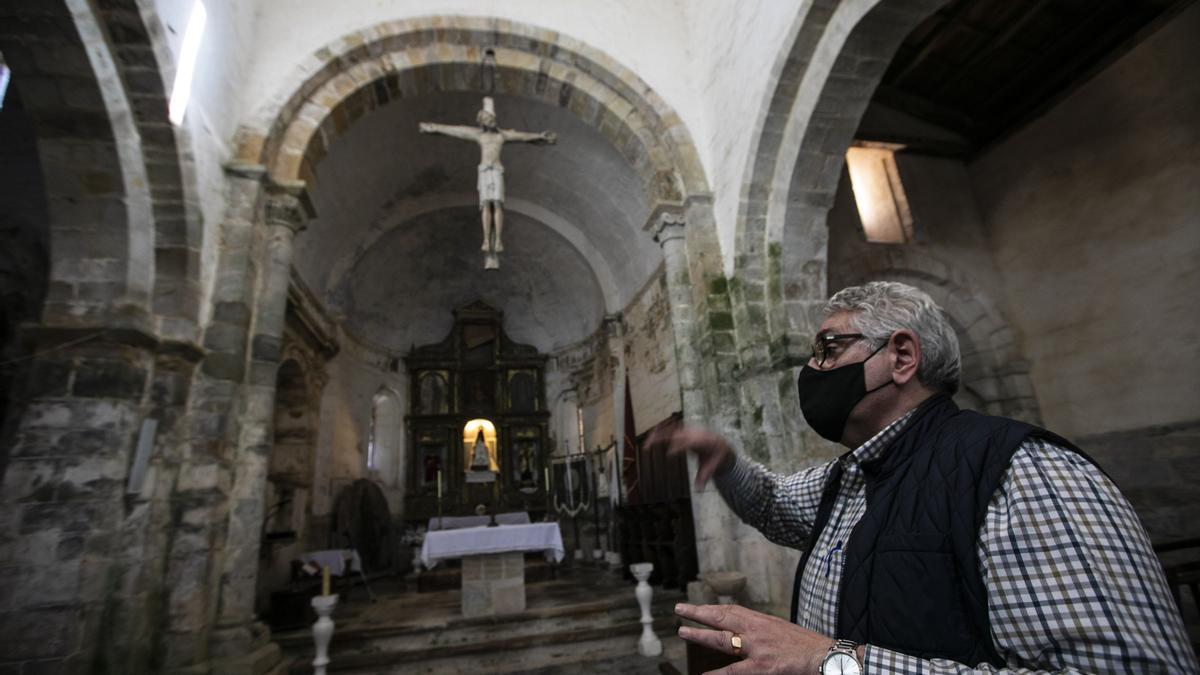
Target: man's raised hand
x: 714, y: 454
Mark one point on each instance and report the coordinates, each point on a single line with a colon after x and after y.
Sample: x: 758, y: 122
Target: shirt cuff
x: 880, y: 661
x: 742, y: 472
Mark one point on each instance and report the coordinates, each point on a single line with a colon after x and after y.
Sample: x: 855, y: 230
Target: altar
x: 493, y: 562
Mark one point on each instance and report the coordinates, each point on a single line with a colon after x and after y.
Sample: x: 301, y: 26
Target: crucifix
x: 491, y: 139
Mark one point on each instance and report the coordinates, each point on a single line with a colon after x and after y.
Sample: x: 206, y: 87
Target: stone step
x: 462, y: 630
x: 600, y: 629
x: 536, y: 651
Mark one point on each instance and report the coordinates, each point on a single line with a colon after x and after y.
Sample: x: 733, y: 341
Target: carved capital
x: 288, y: 205
x: 669, y: 226
x: 614, y: 324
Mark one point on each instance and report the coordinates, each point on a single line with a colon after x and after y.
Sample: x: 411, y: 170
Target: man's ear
x: 906, y: 351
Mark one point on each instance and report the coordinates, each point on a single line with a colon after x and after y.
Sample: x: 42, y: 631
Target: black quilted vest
x: 911, y: 579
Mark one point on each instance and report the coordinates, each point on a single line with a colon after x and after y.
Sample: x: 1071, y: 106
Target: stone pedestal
x: 493, y: 584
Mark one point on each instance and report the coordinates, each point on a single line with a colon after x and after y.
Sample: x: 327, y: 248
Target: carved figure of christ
x: 491, y: 139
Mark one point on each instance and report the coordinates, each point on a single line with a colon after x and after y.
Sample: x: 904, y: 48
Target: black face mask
x: 828, y: 396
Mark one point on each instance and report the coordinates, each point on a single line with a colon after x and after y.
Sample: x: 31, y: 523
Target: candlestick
x: 325, y: 580
x: 439, y: 483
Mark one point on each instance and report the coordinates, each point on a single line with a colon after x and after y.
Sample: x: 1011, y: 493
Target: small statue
x: 479, y: 457
x: 491, y: 139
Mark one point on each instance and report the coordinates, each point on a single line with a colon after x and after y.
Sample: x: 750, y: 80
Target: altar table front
x: 493, y: 562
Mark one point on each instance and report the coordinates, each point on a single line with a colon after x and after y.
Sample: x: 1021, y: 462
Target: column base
x: 245, y: 650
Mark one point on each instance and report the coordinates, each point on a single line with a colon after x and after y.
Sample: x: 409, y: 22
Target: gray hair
x: 880, y: 308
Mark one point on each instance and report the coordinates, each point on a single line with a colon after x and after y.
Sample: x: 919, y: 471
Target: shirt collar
x: 874, y: 447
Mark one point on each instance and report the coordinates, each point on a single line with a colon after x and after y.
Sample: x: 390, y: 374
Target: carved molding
x: 288, y: 205
x: 669, y: 226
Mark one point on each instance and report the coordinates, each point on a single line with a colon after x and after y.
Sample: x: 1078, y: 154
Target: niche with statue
x: 478, y: 421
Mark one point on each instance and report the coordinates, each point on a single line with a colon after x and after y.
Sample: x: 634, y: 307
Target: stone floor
x: 583, y: 621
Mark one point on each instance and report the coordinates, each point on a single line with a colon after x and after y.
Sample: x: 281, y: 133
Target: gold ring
x: 735, y: 642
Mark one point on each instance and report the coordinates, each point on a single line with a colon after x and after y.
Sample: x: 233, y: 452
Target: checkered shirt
x: 1073, y: 583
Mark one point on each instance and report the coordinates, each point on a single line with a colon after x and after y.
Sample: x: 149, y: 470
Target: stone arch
x: 117, y: 218
x: 822, y: 86
x: 344, y: 80
x: 995, y: 374
x: 147, y: 67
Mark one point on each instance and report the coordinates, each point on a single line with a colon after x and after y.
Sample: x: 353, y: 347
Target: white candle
x: 439, y: 483
x: 568, y: 470
x: 546, y: 485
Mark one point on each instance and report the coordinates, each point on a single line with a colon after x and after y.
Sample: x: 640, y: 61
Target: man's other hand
x: 713, y: 452
x: 769, y: 644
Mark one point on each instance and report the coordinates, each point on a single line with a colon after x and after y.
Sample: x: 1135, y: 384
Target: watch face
x: 840, y: 664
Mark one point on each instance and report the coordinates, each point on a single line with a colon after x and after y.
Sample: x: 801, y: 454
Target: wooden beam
x: 991, y: 47
x: 1070, y: 41
x: 953, y: 17
x: 924, y: 109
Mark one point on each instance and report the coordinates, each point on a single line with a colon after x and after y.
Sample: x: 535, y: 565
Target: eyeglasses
x: 830, y: 345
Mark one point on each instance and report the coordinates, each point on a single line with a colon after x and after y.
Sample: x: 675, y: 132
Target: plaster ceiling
x: 395, y: 244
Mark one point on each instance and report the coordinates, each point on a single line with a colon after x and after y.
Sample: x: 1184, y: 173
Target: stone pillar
x: 63, y: 510
x: 238, y: 633
x: 199, y: 502
x: 714, y: 543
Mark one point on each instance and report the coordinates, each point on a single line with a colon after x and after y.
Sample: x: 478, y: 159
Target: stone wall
x: 1094, y: 220
x: 950, y: 259
x: 650, y: 356
x: 228, y: 41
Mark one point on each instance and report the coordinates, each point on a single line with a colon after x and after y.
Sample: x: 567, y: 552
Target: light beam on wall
x: 5, y: 74
x: 182, y: 90
x: 879, y: 194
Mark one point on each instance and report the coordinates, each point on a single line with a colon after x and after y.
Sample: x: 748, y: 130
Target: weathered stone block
x: 38, y: 634
x: 109, y: 378
x: 73, y: 517
x: 493, y: 584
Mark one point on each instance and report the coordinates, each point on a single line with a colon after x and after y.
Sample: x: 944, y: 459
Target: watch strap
x: 846, y: 647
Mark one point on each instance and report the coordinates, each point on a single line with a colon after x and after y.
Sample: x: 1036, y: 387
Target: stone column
x: 237, y: 632
x: 65, y: 577
x: 714, y: 543
x: 200, y: 497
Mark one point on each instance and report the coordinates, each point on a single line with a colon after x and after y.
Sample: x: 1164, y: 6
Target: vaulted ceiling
x: 395, y: 244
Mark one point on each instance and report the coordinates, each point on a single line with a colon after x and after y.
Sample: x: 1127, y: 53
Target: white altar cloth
x: 442, y: 544
x: 459, y: 522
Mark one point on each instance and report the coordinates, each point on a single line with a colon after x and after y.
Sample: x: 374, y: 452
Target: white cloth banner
x: 335, y: 559
x: 440, y: 545
x: 459, y: 522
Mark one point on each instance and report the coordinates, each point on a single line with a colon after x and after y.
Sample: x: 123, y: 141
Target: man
x: 944, y: 541
x: 491, y: 140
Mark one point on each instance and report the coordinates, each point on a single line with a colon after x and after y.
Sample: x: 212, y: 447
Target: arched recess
x: 122, y: 239
x: 279, y: 146
x: 282, y: 141
x: 288, y: 493
x: 415, y: 208
x: 823, y: 84
x: 384, y: 459
x: 995, y: 376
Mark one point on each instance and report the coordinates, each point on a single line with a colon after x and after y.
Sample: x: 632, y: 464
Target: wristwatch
x: 842, y: 659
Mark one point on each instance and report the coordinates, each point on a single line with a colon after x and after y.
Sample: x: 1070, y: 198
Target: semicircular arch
x: 840, y: 52
x: 361, y: 71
